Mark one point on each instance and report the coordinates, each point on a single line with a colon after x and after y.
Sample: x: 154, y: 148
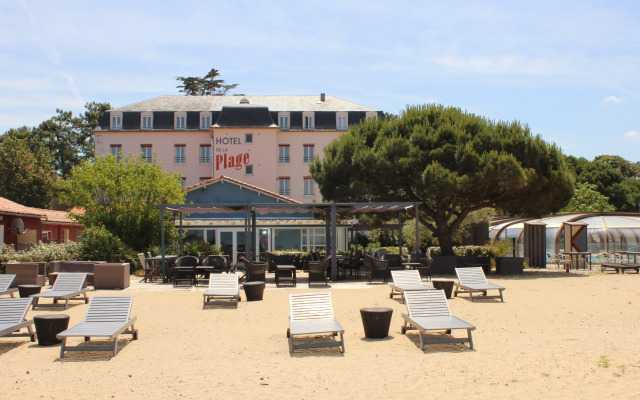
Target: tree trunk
x: 446, y: 244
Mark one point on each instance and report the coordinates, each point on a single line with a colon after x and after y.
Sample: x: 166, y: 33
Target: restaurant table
x: 27, y: 289
x: 285, y: 274
x: 253, y: 290
x: 157, y: 261
x: 48, y: 326
x: 376, y: 321
x: 412, y: 265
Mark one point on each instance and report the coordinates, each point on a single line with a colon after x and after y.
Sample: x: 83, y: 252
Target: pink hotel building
x: 264, y: 141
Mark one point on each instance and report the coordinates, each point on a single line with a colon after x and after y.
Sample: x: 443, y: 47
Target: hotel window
x: 283, y: 120
x: 179, y: 122
x: 307, y: 121
x: 180, y: 154
x: 283, y: 186
x: 205, y: 120
x: 371, y: 114
x: 308, y: 153
x: 342, y: 123
x: 205, y: 154
x: 183, y: 182
x: 283, y: 154
x: 116, y: 121
x: 309, y: 189
x: 248, y: 137
x: 146, y: 122
x: 146, y: 152
x: 248, y: 169
x: 116, y: 150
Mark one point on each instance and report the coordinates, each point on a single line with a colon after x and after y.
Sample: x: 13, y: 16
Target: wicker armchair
x: 318, y: 271
x: 254, y: 271
x: 378, y: 269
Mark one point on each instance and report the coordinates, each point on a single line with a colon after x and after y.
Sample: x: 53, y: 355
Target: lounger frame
x: 12, y: 317
x: 5, y: 284
x: 472, y: 280
x: 107, y: 317
x: 429, y: 311
x: 406, y: 281
x: 68, y: 286
x: 223, y: 289
x: 312, y: 315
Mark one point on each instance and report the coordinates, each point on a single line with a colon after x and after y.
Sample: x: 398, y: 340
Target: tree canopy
x: 208, y: 85
x: 450, y: 161
x: 25, y: 177
x: 587, y: 199
x: 122, y: 196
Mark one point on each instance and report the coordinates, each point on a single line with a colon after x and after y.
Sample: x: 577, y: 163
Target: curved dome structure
x: 606, y: 232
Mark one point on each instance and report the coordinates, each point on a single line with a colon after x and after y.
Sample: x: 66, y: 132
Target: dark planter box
x: 509, y: 265
x: 469, y: 261
x: 443, y: 265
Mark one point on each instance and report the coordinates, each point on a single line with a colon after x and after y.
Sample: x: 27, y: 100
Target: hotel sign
x: 227, y: 157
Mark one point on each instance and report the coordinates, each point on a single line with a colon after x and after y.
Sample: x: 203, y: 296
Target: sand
x: 556, y: 335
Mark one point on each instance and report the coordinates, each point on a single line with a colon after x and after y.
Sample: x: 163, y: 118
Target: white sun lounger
x: 12, y: 313
x: 5, y: 284
x: 107, y: 316
x: 429, y: 311
x: 405, y: 281
x: 222, y: 287
x: 311, y: 315
x: 472, y: 280
x: 68, y: 286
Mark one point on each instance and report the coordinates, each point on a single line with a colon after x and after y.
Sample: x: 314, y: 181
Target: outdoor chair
x: 254, y: 271
x: 222, y: 287
x: 271, y: 261
x: 219, y: 263
x: 68, y: 286
x: 151, y: 272
x: 12, y: 317
x: 472, y: 280
x: 352, y: 263
x: 428, y: 310
x: 184, y: 270
x: 318, y: 271
x: 107, y: 316
x: 378, y: 269
x: 395, y: 261
x: 406, y: 281
x: 5, y: 284
x: 311, y: 314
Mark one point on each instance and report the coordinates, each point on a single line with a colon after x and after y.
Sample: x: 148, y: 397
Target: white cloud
x: 633, y: 135
x: 611, y: 99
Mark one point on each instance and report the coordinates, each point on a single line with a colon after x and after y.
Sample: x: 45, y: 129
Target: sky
x: 570, y: 70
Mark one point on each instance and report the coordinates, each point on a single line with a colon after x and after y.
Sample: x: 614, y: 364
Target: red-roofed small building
x: 21, y: 225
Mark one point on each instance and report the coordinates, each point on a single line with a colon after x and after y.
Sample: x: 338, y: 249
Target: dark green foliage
x: 98, y: 244
x: 25, y: 177
x: 205, y: 86
x: 123, y: 196
x: 40, y: 252
x: 200, y: 249
x: 452, y: 162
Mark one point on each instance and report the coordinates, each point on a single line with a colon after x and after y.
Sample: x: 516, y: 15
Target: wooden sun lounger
x: 472, y: 280
x: 222, y: 287
x: 620, y: 267
x: 5, y: 284
x: 12, y: 317
x: 311, y: 315
x: 429, y: 311
x: 107, y: 316
x: 405, y: 281
x: 68, y: 286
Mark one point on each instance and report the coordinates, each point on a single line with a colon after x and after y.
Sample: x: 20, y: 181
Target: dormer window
x: 180, y: 120
x: 342, y: 122
x: 205, y: 120
x: 116, y: 121
x: 307, y: 121
x: 146, y: 121
x: 283, y: 121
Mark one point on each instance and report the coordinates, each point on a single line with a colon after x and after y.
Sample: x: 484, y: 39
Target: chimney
x: 322, y: 97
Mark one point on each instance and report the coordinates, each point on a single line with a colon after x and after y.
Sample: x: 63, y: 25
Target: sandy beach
x: 556, y: 335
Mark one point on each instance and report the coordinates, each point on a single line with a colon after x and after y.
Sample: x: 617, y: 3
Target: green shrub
x: 40, y: 252
x: 98, y: 244
x: 465, y: 251
x: 199, y: 248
